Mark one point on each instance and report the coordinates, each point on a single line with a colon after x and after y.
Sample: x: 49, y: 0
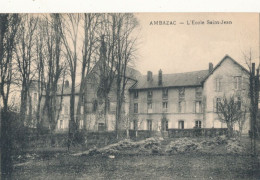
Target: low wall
x: 203, y: 132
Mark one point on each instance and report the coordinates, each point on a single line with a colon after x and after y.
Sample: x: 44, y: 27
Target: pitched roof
x: 194, y: 78
x: 223, y: 59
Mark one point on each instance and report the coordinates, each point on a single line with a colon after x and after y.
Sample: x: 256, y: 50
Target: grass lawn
x: 181, y: 166
x: 193, y: 165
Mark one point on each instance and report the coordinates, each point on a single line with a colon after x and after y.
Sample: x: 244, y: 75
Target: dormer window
x: 165, y: 93
x: 181, y: 93
x: 198, y: 94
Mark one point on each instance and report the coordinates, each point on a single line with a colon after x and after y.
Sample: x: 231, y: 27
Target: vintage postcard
x: 130, y: 95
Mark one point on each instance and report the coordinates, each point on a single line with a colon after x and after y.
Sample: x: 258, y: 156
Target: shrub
x: 183, y: 145
x: 234, y: 146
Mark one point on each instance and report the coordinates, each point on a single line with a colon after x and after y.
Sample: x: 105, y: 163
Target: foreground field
x: 175, y: 159
x: 181, y: 166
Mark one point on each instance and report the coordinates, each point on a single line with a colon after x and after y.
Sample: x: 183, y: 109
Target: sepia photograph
x: 130, y: 95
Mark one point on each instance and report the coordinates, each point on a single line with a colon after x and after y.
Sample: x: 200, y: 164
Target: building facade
x: 187, y: 100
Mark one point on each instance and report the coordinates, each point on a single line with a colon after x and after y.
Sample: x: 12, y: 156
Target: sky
x: 183, y: 48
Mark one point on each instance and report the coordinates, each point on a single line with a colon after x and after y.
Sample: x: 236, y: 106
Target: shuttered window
x: 218, y: 84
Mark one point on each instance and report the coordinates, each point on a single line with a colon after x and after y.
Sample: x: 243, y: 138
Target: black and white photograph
x: 130, y: 95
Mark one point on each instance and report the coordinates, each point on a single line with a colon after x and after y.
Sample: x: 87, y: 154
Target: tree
x: 69, y: 30
x: 9, y: 25
x: 254, y: 99
x: 25, y: 58
x: 125, y: 43
x: 106, y: 64
x: 51, y: 68
x: 229, y: 111
x: 116, y: 53
x: 89, y: 51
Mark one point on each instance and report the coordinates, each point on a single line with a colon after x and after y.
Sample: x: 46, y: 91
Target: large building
x: 158, y: 102
x: 187, y: 100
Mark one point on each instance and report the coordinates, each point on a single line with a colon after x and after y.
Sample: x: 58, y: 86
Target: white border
x: 60, y: 6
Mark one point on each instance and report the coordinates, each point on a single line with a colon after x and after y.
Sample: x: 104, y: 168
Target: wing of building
x: 187, y: 100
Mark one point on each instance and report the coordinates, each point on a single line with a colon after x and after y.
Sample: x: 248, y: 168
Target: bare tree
x: 69, y: 26
x: 9, y: 24
x: 25, y: 57
x: 89, y: 51
x: 51, y: 67
x: 106, y: 64
x: 125, y: 43
x: 8, y: 31
x: 40, y: 61
x: 229, y: 111
x: 254, y: 98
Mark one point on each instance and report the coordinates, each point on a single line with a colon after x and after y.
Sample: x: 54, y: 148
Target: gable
x: 222, y: 63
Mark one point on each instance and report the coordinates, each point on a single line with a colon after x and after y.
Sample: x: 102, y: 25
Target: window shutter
x: 244, y: 83
x: 194, y: 106
x: 214, y: 105
x: 215, y: 84
x: 220, y: 84
x: 234, y: 82
x: 240, y: 83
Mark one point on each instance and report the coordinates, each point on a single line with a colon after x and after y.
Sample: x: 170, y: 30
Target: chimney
x: 67, y: 84
x: 210, y: 67
x: 160, y: 78
x: 149, y: 76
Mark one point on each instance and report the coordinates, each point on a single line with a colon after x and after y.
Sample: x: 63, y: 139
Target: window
x: 198, y: 124
x: 164, y: 125
x: 165, y: 106
x: 149, y: 105
x: 135, y: 94
x: 238, y: 102
x: 165, y: 93
x: 181, y: 124
x: 135, y: 107
x: 218, y: 104
x: 149, y: 94
x: 135, y: 124
x: 198, y: 94
x: 95, y: 105
x: 198, y: 107
x: 82, y: 99
x: 61, y: 124
x: 35, y: 97
x: 66, y: 109
x: 237, y: 82
x: 62, y: 109
x: 101, y: 126
x: 149, y: 125
x: 181, y: 93
x: 82, y: 110
x: 81, y: 124
x: 218, y: 84
x: 108, y: 105
x: 181, y: 107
